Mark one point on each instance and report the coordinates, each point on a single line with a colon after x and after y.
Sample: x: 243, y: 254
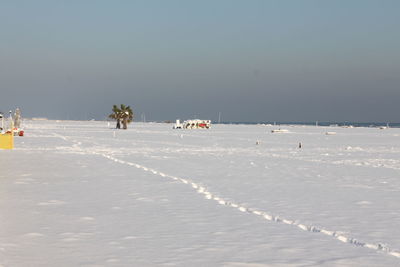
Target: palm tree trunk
x: 125, y: 123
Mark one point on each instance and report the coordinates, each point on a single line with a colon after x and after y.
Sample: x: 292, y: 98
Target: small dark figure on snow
x: 300, y: 145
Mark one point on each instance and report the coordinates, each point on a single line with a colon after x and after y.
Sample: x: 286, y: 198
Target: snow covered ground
x: 82, y: 194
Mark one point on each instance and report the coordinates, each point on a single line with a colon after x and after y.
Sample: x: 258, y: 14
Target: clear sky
x: 251, y: 60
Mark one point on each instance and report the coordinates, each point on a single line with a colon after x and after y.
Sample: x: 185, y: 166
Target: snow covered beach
x: 76, y: 194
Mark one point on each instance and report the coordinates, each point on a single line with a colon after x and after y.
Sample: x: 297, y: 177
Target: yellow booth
x: 6, y: 141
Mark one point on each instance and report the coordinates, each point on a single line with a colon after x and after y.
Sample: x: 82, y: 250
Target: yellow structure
x: 6, y: 141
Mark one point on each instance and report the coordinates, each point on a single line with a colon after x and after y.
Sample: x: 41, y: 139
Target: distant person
x: 300, y: 145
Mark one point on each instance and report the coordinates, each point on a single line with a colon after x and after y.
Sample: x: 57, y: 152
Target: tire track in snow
x: 264, y: 215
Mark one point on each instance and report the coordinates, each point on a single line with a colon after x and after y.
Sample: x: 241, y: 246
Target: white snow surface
x: 81, y: 194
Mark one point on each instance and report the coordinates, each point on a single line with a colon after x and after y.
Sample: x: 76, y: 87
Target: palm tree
x: 126, y: 116
x: 122, y: 114
x: 116, y: 115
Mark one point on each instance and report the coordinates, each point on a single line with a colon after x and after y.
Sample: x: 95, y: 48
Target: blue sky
x: 282, y: 60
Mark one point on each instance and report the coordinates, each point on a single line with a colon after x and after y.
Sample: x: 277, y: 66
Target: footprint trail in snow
x: 262, y: 214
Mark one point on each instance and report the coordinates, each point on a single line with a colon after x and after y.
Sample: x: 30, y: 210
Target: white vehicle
x: 178, y: 125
